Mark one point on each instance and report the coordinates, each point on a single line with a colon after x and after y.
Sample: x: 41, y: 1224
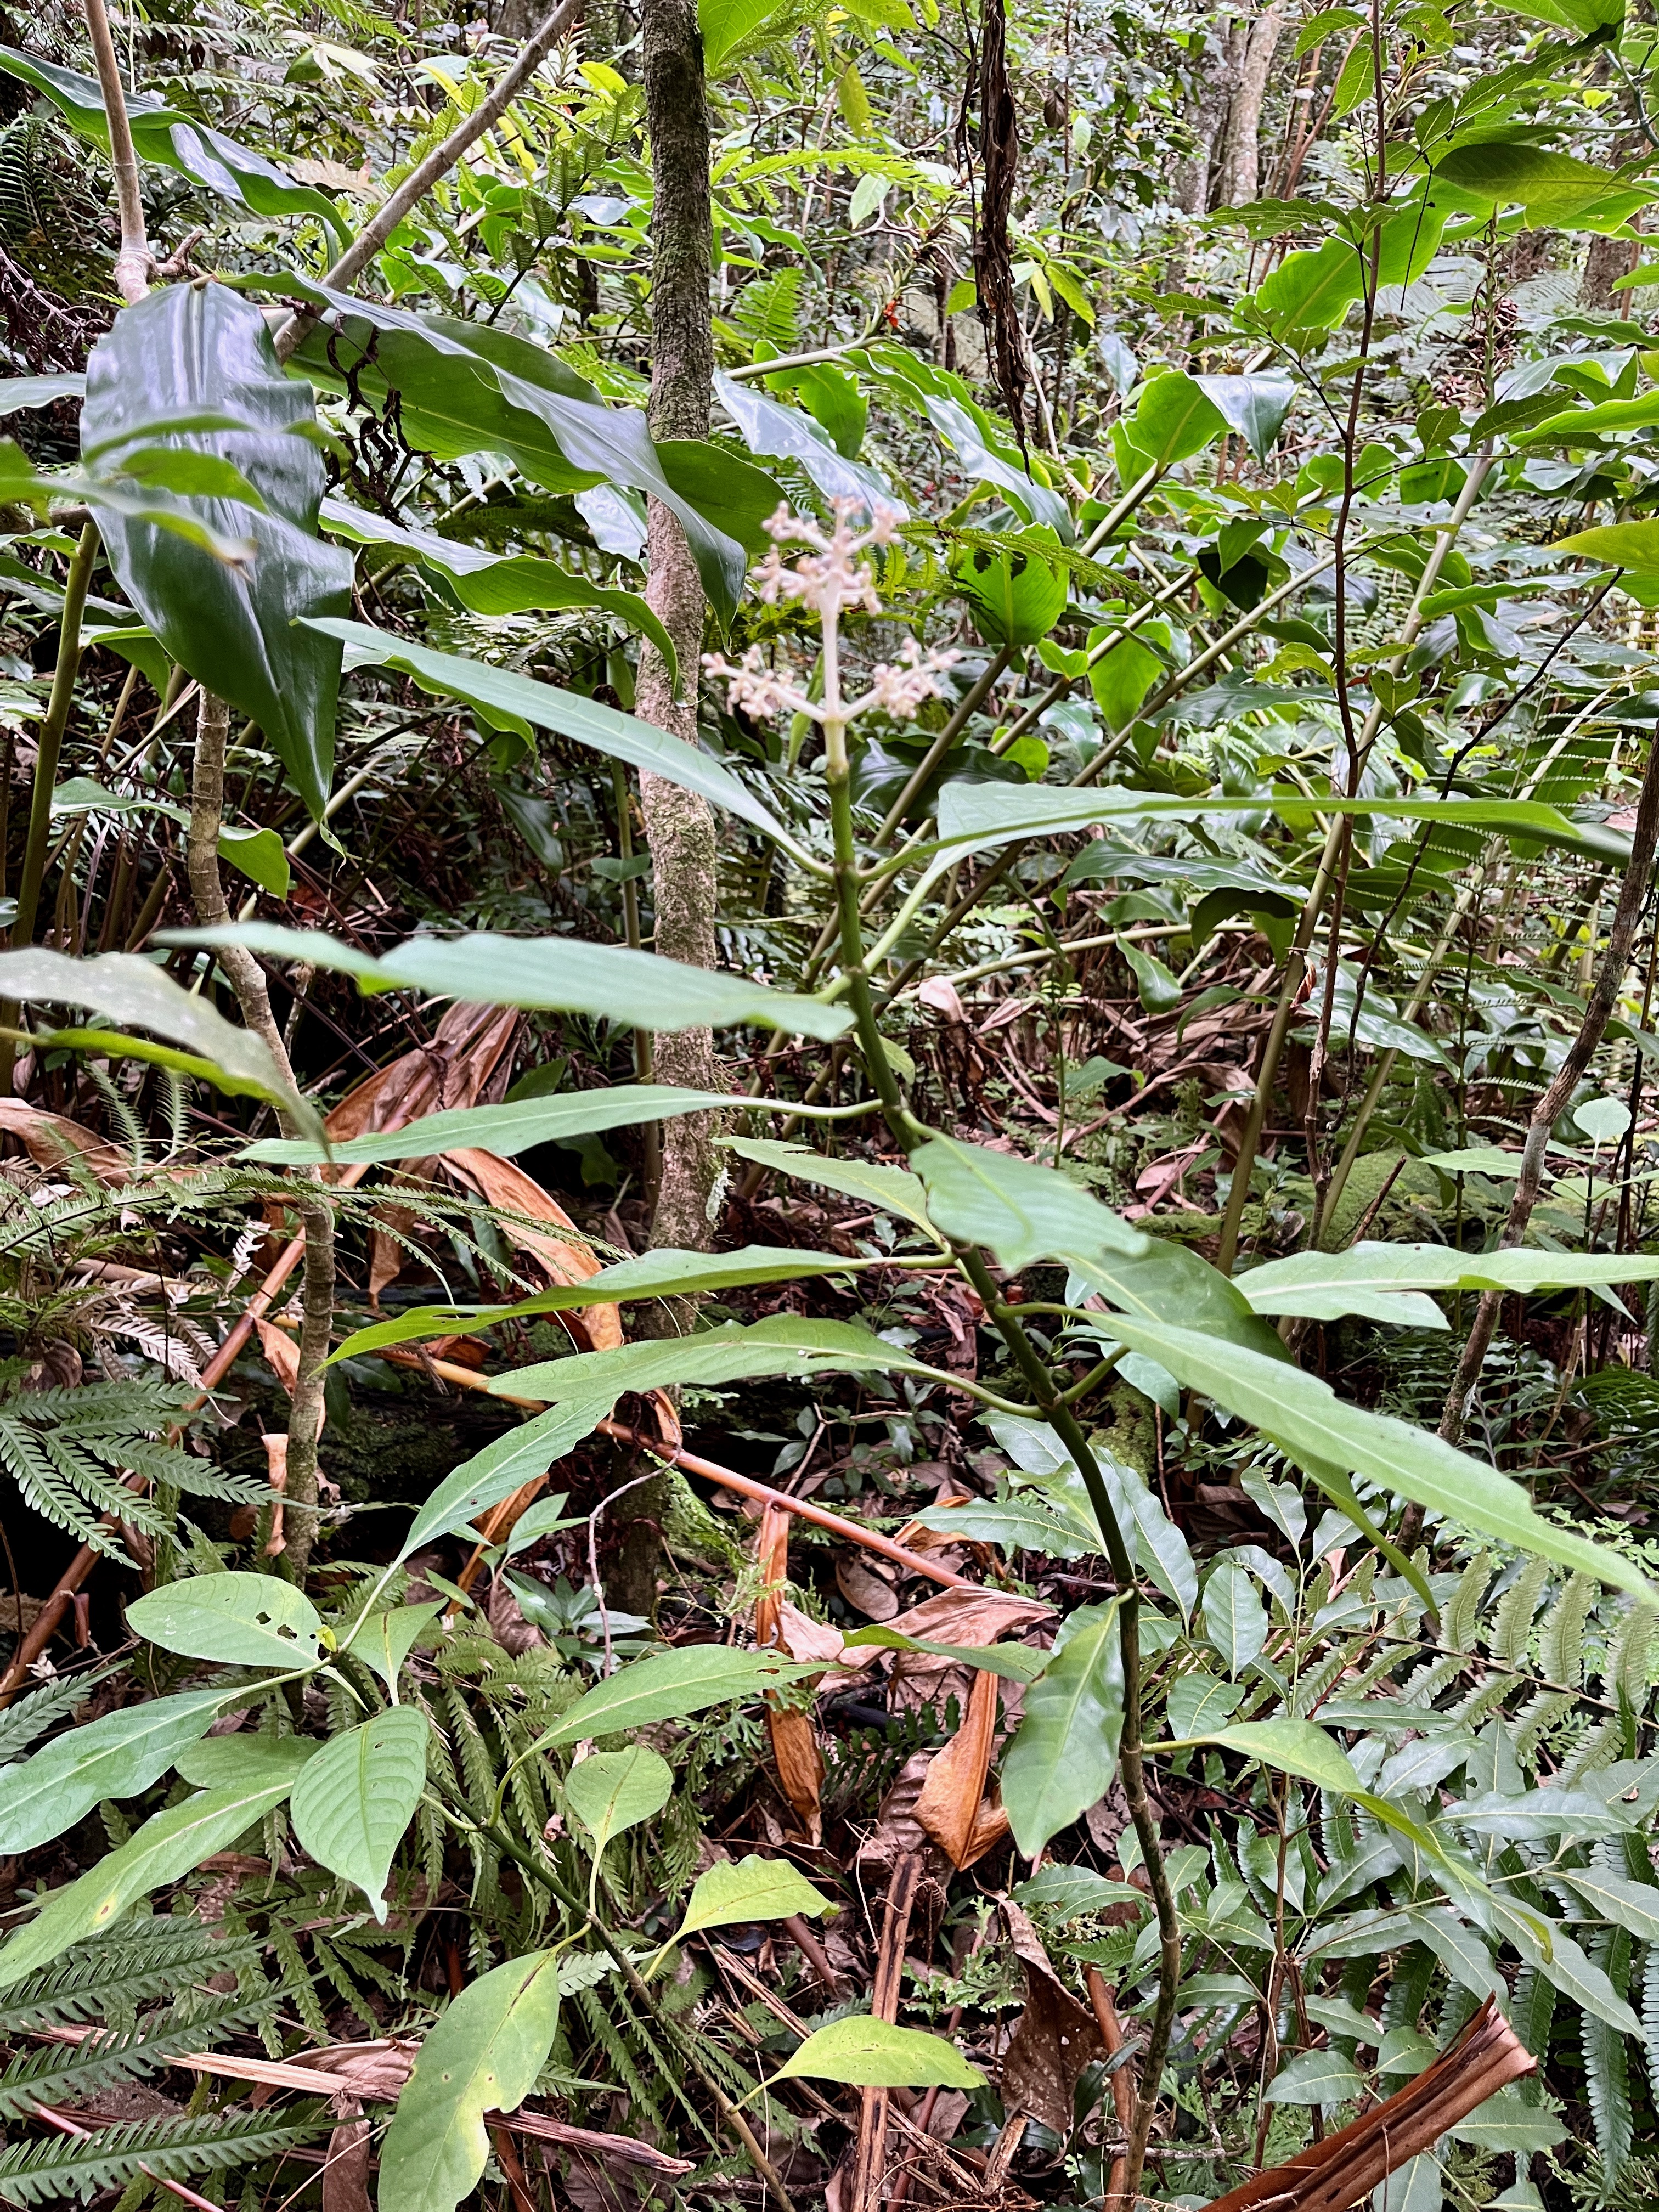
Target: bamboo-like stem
x: 132, y: 262
x: 45, y: 771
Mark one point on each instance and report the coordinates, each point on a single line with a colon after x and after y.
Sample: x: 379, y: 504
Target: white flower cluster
x: 829, y: 577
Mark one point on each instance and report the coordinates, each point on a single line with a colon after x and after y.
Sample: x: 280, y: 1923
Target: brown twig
x: 870, y: 2154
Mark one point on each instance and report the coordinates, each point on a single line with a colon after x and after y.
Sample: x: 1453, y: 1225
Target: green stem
x: 909, y: 1133
x: 46, y: 770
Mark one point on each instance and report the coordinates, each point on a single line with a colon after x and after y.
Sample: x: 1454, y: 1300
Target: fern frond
x: 1561, y: 1640
x: 76, y: 2166
x: 1607, y: 2066
x: 146, y: 1959
x: 42, y: 1708
x: 70, y: 2073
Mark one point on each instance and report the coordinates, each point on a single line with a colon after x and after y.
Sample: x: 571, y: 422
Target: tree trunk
x: 1240, y: 181
x: 679, y: 826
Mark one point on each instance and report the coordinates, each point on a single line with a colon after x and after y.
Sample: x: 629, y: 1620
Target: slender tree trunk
x: 679, y: 826
x: 1240, y: 181
x: 247, y: 979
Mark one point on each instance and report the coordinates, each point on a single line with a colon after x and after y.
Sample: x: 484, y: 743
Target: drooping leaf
x: 873, y: 2054
x: 509, y: 700
x: 238, y: 1619
x: 1021, y: 1210
x: 354, y: 1801
x: 387, y: 1637
x: 891, y: 1190
x: 1279, y: 1285
x: 466, y: 387
x: 748, y: 1889
x: 201, y: 346
x: 979, y: 815
x: 174, y: 140
x: 1174, y: 418
x: 1064, y: 1753
x: 256, y: 853
x: 494, y: 583
x: 167, y: 1846
x: 1234, y: 1616
x: 131, y: 990
x: 1304, y: 1416
x: 118, y: 1756
x: 560, y: 973
x: 670, y: 1686
x: 612, y: 1792
x: 482, y: 2055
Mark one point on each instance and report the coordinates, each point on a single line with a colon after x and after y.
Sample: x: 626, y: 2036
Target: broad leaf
x: 614, y: 1791
x: 354, y: 1801
x: 1018, y: 1210
x: 663, y: 1273
x: 175, y: 141
x: 509, y: 700
x: 1235, y: 1618
x: 670, y: 1687
x: 131, y: 990
x: 256, y: 853
x: 1255, y: 406
x: 201, y: 346
x: 1633, y: 545
x: 238, y: 1619
x: 1630, y: 1904
x: 1064, y: 1753
x: 1281, y: 1286
x: 871, y: 2054
x: 483, y: 2055
x: 749, y: 1889
x: 387, y: 1637
x: 489, y: 583
x: 171, y: 1844
x: 118, y: 1756
x: 1013, y: 1662
x: 1160, y: 1548
x: 467, y: 387
x: 1174, y: 418
x: 1305, y: 1417
x: 564, y: 975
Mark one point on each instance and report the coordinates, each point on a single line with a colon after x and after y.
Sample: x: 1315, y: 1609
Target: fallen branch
x: 1334, y: 2175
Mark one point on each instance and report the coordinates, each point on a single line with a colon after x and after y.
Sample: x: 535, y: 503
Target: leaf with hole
x: 238, y: 1619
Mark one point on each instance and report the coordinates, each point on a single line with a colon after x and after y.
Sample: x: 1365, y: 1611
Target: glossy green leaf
x: 1305, y: 1417
x: 1173, y: 419
x: 1016, y: 594
x: 563, y: 975
x: 1160, y: 1549
x: 118, y: 1756
x: 483, y: 2055
x: 1171, y: 1282
x: 1295, y: 1748
x: 502, y: 1467
x: 238, y: 1619
x: 671, y: 1686
x: 1630, y: 1904
x: 871, y: 2054
x: 354, y: 1800
x: 1505, y: 172
x: 612, y: 1792
x: 734, y: 1891
x: 495, y: 583
x: 230, y: 1762
x: 174, y: 140
x: 663, y: 1274
x: 510, y: 700
x: 1064, y: 1753
x: 202, y: 346
x: 168, y: 1846
x: 1633, y: 545
x: 18, y: 393
x: 131, y: 990
x: 1013, y: 1663
x: 785, y: 1344
x: 507, y: 1129
x: 467, y: 387
x: 1255, y: 406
